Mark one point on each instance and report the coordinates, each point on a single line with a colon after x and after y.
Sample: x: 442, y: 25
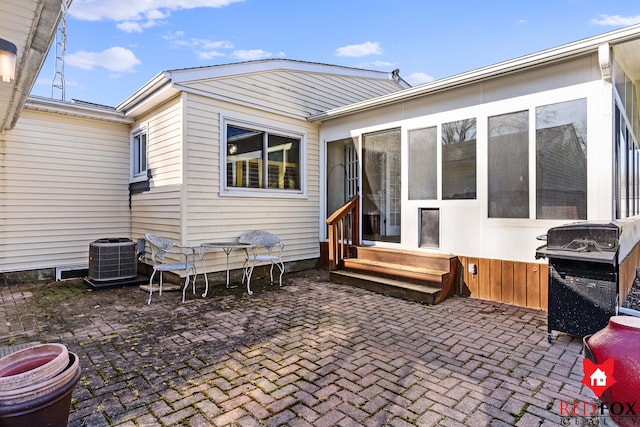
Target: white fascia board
x: 151, y: 100
x: 151, y: 87
x: 579, y: 48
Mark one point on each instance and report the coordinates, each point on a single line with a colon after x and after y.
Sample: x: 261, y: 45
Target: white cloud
x: 134, y: 27
x: 522, y: 21
x: 206, y: 55
x: 206, y: 44
x: 204, y: 48
x: 378, y: 64
x: 147, y: 13
x: 415, y: 79
x: 363, y: 49
x: 48, y: 82
x: 616, y: 20
x: 252, y: 55
x: 173, y: 36
x: 116, y: 59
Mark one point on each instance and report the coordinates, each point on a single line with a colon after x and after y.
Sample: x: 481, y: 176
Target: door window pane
x: 423, y: 173
x: 561, y: 160
x: 459, y: 159
x: 381, y: 204
x: 509, y: 165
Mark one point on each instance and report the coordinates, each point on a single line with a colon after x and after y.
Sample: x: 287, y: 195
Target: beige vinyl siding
x: 159, y: 210
x: 294, y: 93
x: 164, y: 143
x: 64, y: 183
x: 211, y: 217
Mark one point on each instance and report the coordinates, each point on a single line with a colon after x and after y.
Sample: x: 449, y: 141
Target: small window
x: 429, y: 228
x: 261, y: 159
x: 139, y: 154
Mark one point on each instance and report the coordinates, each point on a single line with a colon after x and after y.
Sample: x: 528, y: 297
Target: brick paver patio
x: 311, y: 353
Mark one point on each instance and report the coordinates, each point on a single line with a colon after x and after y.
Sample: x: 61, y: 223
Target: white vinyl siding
x: 293, y: 93
x: 65, y: 184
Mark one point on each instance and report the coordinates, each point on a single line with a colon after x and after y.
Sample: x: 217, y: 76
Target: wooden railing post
x: 344, y: 231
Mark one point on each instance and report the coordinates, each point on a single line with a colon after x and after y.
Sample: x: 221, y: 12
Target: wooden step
x: 420, y: 275
x: 432, y: 261
x: 388, y: 286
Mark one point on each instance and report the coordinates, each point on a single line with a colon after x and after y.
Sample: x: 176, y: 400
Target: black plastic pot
x: 49, y: 410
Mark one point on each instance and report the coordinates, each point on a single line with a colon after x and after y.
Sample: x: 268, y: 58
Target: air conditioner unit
x: 112, y: 259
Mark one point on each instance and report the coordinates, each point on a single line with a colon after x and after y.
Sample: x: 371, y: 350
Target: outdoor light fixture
x: 8, y: 53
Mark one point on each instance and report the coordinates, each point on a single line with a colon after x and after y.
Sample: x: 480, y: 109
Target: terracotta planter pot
x: 32, y: 365
x: 620, y: 341
x: 45, y: 409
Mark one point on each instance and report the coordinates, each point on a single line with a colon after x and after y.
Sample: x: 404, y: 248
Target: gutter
x: 39, y: 37
x: 76, y: 109
x: 571, y: 50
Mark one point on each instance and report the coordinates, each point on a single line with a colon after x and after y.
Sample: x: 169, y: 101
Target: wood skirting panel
x: 519, y: 283
x: 323, y: 261
x: 627, y: 272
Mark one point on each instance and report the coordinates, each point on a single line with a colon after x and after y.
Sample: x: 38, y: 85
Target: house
x: 598, y: 378
x: 229, y: 149
x: 195, y: 155
x: 475, y: 166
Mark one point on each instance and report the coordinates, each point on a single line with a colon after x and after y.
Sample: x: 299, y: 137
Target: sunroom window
x: 509, y: 165
x: 561, y: 160
x: 459, y: 159
x: 262, y: 159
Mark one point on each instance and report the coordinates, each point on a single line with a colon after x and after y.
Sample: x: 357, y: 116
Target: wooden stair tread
x: 393, y: 267
x: 390, y: 282
x: 407, y: 252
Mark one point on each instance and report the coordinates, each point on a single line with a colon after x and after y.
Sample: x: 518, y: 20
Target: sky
x: 114, y: 47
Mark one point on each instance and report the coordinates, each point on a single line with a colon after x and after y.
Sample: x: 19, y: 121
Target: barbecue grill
x: 583, y: 276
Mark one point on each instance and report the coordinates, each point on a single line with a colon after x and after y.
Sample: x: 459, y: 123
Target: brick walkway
x: 311, y: 353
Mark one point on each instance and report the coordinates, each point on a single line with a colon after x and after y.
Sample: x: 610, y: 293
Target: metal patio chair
x: 160, y: 247
x: 266, y: 248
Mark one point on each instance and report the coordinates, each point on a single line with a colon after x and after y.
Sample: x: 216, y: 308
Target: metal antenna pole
x: 60, y: 46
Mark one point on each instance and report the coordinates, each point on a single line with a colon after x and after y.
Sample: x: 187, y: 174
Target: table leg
x: 227, y: 251
x: 206, y: 279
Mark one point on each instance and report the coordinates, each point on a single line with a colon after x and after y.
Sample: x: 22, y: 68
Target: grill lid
x: 583, y: 241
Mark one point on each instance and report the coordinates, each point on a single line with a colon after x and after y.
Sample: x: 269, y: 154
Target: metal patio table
x: 227, y: 247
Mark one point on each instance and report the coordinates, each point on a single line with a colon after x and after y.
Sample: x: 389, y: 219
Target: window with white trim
x: 139, y: 154
x: 262, y: 159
